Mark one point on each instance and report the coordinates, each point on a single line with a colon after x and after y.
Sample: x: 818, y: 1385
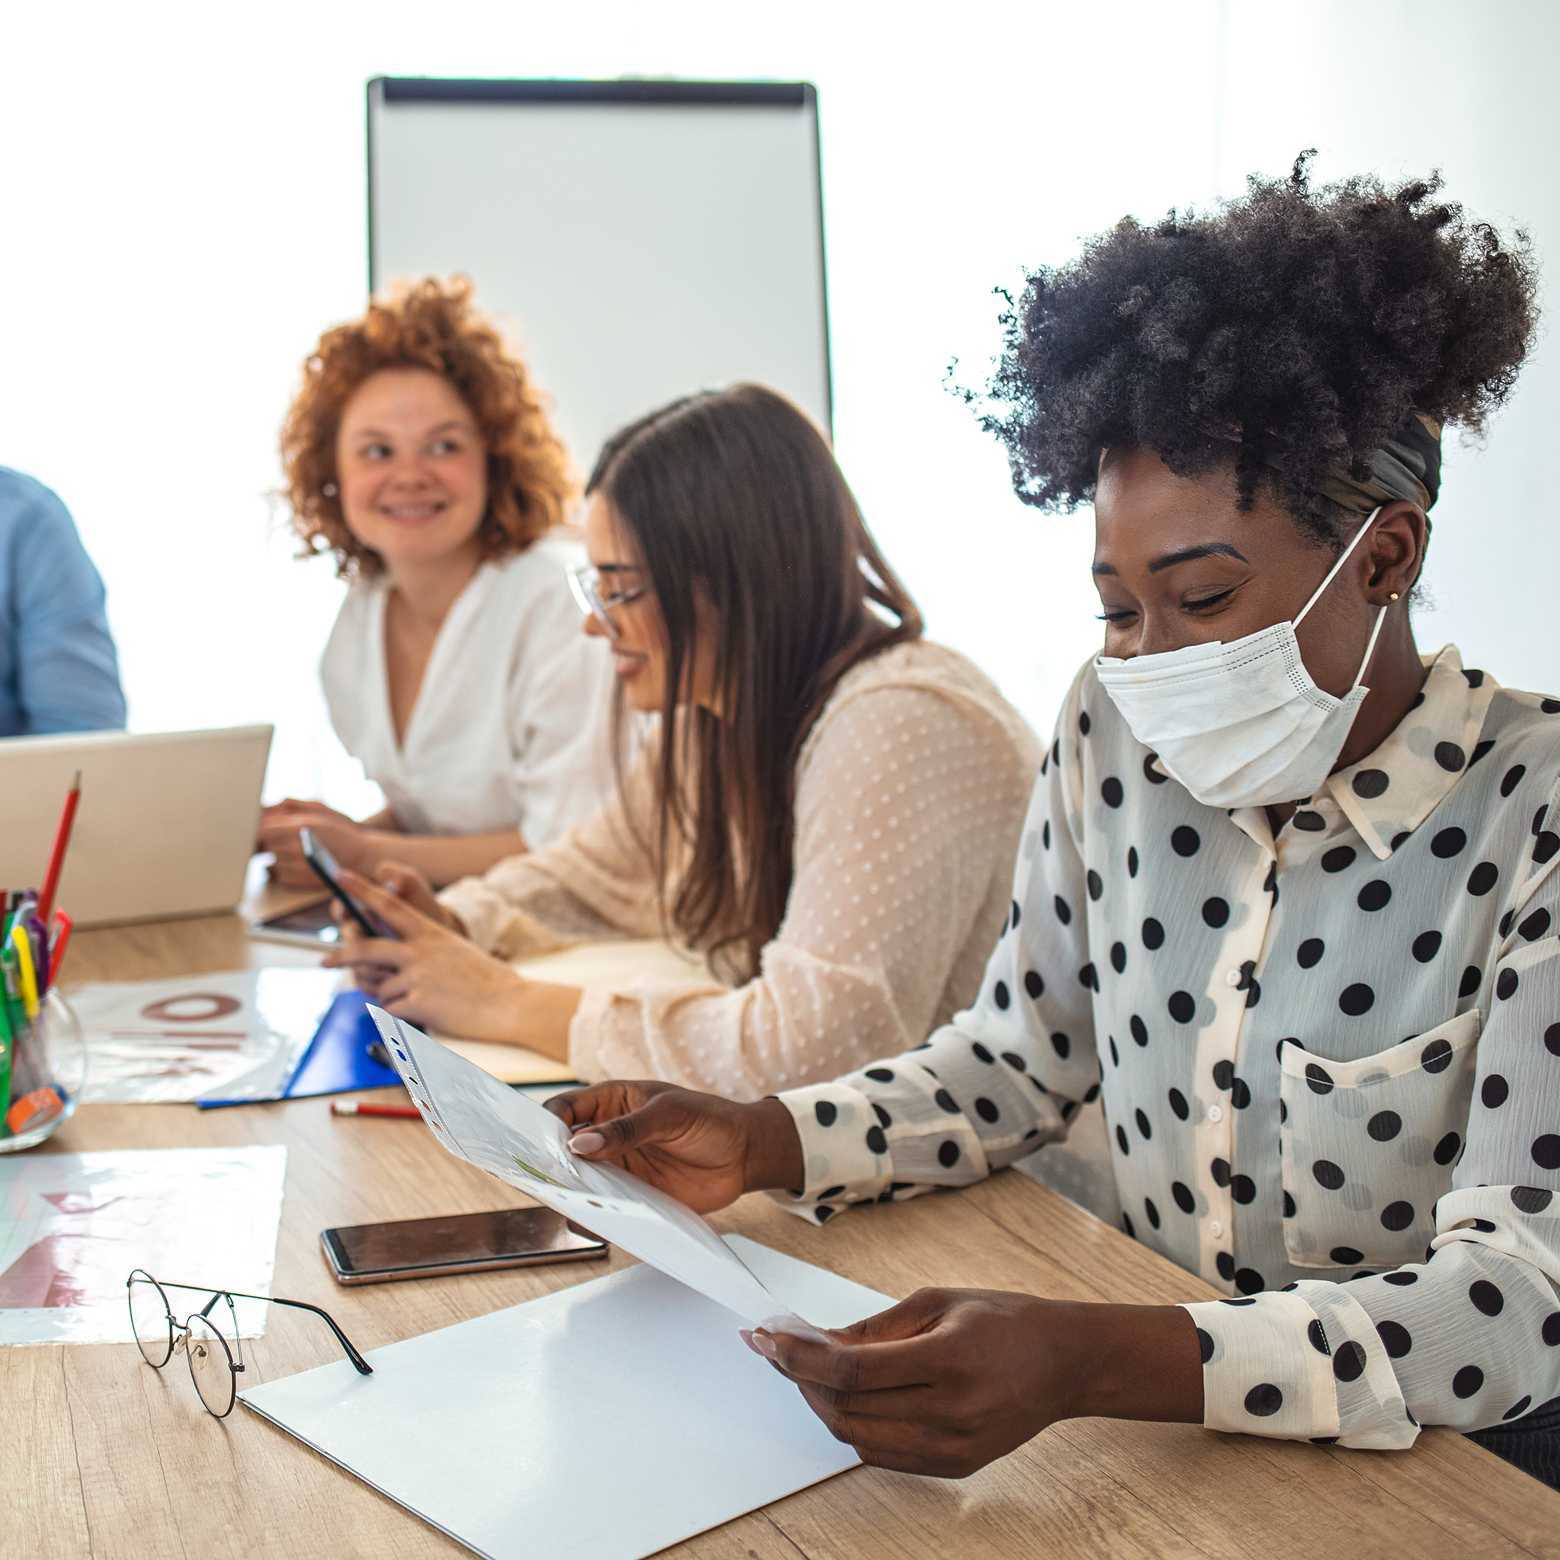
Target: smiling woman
x: 420, y: 456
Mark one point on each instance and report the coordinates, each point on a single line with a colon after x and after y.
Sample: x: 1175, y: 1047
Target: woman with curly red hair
x: 420, y: 456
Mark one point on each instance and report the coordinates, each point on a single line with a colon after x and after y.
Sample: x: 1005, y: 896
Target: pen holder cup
x: 48, y: 1073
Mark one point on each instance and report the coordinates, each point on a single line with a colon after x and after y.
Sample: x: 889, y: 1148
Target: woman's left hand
x: 951, y: 1379
x: 350, y: 843
x: 429, y: 974
x: 942, y: 1383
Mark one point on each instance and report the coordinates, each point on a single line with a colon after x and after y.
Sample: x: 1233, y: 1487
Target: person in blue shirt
x: 58, y: 667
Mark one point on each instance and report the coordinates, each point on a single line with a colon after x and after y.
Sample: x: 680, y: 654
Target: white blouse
x: 509, y: 730
x: 1330, y: 1060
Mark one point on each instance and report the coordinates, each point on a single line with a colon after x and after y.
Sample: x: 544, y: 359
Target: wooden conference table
x: 104, y: 1458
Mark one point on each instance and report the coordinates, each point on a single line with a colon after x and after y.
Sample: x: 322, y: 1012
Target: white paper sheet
x: 604, y: 1421
x: 72, y: 1226
x: 480, y: 1120
x: 236, y: 1034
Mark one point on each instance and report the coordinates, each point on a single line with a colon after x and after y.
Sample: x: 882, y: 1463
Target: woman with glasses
x: 826, y: 812
x: 420, y: 457
x: 1287, y: 898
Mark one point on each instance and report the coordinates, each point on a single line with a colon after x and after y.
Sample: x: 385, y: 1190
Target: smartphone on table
x: 306, y: 926
x: 328, y: 870
x: 459, y: 1243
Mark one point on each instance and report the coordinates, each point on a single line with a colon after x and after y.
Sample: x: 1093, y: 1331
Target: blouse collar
x: 1392, y: 790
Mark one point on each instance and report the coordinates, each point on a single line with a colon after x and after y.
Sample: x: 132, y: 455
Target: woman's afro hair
x: 1292, y: 330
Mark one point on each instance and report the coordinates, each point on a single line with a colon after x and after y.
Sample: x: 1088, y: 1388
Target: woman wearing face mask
x: 1287, y: 895
x: 827, y: 812
x: 419, y: 455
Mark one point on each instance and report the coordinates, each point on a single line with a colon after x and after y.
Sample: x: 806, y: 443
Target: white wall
x: 184, y: 210
x: 1400, y: 89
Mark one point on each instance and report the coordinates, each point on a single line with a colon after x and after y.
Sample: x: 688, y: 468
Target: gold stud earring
x: 1392, y: 596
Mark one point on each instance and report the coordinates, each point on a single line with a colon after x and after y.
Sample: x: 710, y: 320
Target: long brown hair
x: 734, y: 496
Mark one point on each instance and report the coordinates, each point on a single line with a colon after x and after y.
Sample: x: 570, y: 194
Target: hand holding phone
x: 328, y: 870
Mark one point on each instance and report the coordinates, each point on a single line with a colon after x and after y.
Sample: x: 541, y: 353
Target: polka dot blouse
x: 910, y: 795
x: 1329, y: 1060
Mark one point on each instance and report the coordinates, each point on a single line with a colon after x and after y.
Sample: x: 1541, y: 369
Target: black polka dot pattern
x: 1298, y: 1038
x: 1448, y: 842
x: 1356, y: 1000
x: 1483, y: 878
x: 1264, y: 1400
x: 1467, y: 1381
x: 1349, y: 1361
x: 1395, y: 1338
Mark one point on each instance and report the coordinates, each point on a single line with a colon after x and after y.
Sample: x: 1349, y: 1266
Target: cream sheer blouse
x: 911, y: 791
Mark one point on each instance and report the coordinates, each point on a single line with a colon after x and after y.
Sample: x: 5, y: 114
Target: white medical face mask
x: 1240, y: 724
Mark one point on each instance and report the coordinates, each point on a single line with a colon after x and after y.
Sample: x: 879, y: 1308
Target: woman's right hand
x: 412, y: 888
x: 278, y: 835
x: 699, y: 1148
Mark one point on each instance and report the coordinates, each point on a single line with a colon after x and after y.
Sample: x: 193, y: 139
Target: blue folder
x: 338, y: 1060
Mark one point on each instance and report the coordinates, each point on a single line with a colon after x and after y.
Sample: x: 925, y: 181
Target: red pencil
x: 354, y: 1108
x: 63, y: 926
x: 51, y: 881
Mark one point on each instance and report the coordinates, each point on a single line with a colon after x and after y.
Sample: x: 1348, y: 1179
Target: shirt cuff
x: 590, y: 1054
x: 845, y: 1156
x: 495, y: 925
x: 1299, y: 1364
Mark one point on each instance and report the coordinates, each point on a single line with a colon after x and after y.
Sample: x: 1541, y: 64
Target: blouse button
x: 1232, y: 978
x: 1216, y: 1228
x: 1215, y: 1114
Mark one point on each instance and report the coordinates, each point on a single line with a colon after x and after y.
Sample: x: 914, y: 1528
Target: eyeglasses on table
x: 207, y: 1349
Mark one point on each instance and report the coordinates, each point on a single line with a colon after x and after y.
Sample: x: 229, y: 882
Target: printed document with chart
x: 480, y: 1120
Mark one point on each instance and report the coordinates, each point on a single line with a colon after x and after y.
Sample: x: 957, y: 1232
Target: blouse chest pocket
x: 1368, y: 1146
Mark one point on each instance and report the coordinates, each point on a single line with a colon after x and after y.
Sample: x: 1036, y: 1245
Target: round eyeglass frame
x: 188, y: 1332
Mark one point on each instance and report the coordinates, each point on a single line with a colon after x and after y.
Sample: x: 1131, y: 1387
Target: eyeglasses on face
x: 598, y: 596
x: 211, y: 1347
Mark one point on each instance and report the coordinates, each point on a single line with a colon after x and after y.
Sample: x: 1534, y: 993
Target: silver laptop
x: 165, y: 827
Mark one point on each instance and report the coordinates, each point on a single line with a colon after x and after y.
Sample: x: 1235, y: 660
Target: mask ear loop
x: 1370, y: 645
x: 1343, y: 558
x: 1381, y: 613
